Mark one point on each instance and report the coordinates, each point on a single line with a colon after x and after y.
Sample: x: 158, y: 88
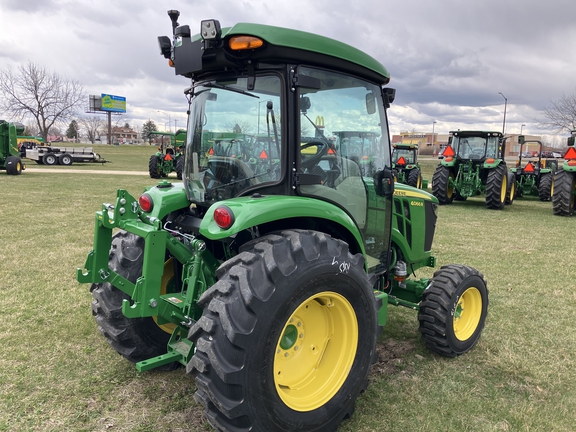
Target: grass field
x: 58, y: 374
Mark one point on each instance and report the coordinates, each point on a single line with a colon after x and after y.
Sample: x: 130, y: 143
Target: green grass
x: 58, y: 374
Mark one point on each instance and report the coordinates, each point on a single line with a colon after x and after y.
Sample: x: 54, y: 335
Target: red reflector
x: 448, y: 159
x: 571, y: 153
x: 401, y: 161
x: 331, y: 151
x: 168, y: 157
x: 448, y: 151
x: 223, y: 217
x: 263, y: 155
x: 529, y: 168
x: 490, y: 160
x: 146, y: 203
x: 211, y: 152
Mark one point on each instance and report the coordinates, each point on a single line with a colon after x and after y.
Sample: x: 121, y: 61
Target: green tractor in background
x: 359, y: 146
x: 564, y: 195
x: 168, y: 158
x: 10, y: 159
x: 534, y: 178
x: 271, y: 284
x: 406, y: 166
x: 473, y: 164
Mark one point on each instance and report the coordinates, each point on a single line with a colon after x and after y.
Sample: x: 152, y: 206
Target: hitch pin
x: 189, y: 237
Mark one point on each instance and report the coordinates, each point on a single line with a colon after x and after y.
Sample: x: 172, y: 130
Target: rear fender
x: 257, y: 210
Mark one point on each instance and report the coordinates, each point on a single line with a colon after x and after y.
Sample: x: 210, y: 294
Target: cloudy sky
x: 449, y: 59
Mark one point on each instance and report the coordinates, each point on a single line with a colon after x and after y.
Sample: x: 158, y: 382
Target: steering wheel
x: 310, y: 161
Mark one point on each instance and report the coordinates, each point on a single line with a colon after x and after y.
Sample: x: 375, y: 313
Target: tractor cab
x: 327, y: 160
x: 475, y: 146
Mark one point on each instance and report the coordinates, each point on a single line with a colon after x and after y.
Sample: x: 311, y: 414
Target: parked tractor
x: 271, y: 286
x: 406, y: 166
x: 534, y: 177
x: 564, y: 187
x: 10, y: 159
x: 359, y: 146
x: 473, y: 164
x: 168, y: 158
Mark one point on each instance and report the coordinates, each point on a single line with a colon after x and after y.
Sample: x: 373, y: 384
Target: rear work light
x: 146, y: 203
x: 223, y: 217
x: 239, y: 43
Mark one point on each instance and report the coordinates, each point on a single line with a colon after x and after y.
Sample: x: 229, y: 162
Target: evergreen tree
x: 147, y: 127
x: 73, y: 130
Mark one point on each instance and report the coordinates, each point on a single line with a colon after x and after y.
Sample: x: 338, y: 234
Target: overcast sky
x: 448, y: 59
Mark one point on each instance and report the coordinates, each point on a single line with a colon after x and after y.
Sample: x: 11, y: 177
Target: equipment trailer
x: 48, y: 155
x: 271, y: 285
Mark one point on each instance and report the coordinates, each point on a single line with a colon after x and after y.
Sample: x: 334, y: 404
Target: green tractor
x: 473, y: 164
x: 406, y: 166
x: 272, y: 286
x: 533, y: 178
x: 168, y: 158
x: 359, y: 147
x: 10, y: 159
x: 564, y: 195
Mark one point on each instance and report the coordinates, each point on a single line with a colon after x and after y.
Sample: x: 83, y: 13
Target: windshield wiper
x: 223, y: 87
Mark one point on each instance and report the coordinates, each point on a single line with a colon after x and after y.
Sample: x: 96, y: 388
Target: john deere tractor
x: 168, y: 158
x: 10, y: 159
x: 473, y: 164
x: 533, y: 177
x: 564, y: 195
x: 405, y: 163
x: 271, y: 286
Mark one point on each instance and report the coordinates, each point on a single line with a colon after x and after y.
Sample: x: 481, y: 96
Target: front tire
x: 496, y: 188
x: 564, y: 193
x: 287, y: 336
x: 441, y: 187
x: 453, y: 310
x: 136, y: 339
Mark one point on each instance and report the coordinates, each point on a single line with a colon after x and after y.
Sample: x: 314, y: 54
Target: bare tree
x: 560, y: 115
x: 34, y: 93
x: 93, y: 126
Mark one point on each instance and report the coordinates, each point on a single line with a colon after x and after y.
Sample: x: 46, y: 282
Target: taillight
x: 223, y: 217
x: 146, y: 203
x: 490, y: 160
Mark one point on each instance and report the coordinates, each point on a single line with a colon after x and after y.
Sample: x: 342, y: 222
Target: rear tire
x: 453, y: 310
x: 49, y: 159
x: 511, y: 192
x: 136, y: 339
x: 13, y: 165
x: 441, y: 187
x: 496, y: 188
x: 545, y: 187
x: 287, y: 336
x: 65, y: 159
x: 180, y: 167
x: 154, y: 167
x: 564, y: 189
x: 415, y: 178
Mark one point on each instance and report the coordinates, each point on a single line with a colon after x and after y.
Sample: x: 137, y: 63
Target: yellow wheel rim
x: 503, y: 190
x: 450, y: 189
x: 467, y: 314
x: 315, y: 351
x: 167, y: 280
x: 512, y: 191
